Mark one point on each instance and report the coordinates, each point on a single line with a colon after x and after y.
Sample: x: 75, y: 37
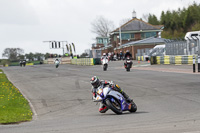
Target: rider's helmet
x: 104, y: 54
x: 127, y: 51
x: 95, y: 81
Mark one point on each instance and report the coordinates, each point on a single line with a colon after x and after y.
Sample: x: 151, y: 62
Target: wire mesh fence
x: 173, y: 47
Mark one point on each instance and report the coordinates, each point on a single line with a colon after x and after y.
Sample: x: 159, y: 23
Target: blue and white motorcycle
x: 113, y: 100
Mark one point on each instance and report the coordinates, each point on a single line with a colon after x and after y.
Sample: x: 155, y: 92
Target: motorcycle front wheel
x: 133, y: 107
x: 114, y: 106
x: 128, y: 68
x: 104, y: 67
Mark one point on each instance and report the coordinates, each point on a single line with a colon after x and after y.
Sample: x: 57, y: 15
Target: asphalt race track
x: 168, y: 99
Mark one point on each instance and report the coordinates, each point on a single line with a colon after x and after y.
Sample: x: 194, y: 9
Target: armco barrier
x: 167, y: 60
x: 158, y: 59
x: 140, y: 58
x: 177, y: 60
x: 83, y: 61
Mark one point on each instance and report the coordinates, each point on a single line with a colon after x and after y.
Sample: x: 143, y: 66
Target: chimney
x: 133, y: 14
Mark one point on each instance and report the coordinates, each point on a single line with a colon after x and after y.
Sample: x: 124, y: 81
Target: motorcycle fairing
x: 119, y: 96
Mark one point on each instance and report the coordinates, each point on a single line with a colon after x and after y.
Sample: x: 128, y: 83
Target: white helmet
x: 104, y: 54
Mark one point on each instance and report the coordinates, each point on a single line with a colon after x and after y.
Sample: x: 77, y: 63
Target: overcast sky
x: 27, y: 23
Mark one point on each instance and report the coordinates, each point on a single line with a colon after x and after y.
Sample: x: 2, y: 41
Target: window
x: 148, y: 34
x: 125, y: 36
x: 100, y: 41
x: 132, y: 35
x: 105, y: 41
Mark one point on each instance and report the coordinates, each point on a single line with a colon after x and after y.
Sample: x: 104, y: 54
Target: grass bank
x: 14, y: 107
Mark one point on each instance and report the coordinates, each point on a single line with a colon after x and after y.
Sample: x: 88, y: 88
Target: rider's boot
x: 126, y: 97
x: 102, y: 108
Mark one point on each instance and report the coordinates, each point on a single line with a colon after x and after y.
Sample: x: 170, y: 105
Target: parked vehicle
x: 113, y: 100
x: 192, y: 35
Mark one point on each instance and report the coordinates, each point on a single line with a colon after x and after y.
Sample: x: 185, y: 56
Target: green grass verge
x: 14, y: 108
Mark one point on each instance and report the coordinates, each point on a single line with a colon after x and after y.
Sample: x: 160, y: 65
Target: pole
x: 198, y: 63
x: 120, y: 35
x: 198, y: 44
x: 63, y: 46
x: 193, y: 64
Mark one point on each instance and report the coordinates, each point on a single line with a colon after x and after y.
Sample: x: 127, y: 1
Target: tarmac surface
x: 167, y: 96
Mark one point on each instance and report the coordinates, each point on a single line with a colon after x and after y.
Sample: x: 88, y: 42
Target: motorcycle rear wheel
x: 111, y: 105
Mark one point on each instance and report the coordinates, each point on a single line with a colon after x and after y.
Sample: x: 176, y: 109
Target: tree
x: 102, y: 27
x: 152, y: 19
x: 83, y: 55
x: 38, y: 56
x: 30, y: 56
x: 47, y: 55
x: 196, y: 27
x: 12, y: 53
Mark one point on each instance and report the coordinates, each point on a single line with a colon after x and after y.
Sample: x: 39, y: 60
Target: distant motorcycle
x: 128, y: 64
x: 22, y: 63
x: 113, y: 100
x: 104, y: 62
x: 57, y: 63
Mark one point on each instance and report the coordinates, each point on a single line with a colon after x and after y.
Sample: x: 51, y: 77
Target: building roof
x: 102, y: 37
x: 150, y: 40
x: 138, y: 25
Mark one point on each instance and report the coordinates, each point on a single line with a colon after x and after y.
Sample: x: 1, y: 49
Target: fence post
x: 199, y: 63
x: 194, y: 64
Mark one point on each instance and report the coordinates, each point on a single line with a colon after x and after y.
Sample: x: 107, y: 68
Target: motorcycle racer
x: 127, y: 55
x: 104, y: 56
x: 96, y: 82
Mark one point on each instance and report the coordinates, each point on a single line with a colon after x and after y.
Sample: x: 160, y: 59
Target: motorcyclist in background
x: 96, y: 82
x: 57, y: 62
x: 104, y: 56
x: 128, y: 54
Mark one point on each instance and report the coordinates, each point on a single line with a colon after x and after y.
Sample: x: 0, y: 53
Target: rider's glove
x: 112, y: 84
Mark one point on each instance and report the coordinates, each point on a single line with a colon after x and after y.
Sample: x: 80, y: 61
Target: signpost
x: 57, y: 45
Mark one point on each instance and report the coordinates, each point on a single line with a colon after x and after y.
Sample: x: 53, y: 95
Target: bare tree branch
x: 102, y: 27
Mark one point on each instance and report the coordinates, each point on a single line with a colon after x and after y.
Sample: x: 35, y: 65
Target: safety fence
x: 177, y: 60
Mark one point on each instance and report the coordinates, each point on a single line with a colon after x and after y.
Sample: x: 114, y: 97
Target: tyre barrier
x: 177, y: 60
